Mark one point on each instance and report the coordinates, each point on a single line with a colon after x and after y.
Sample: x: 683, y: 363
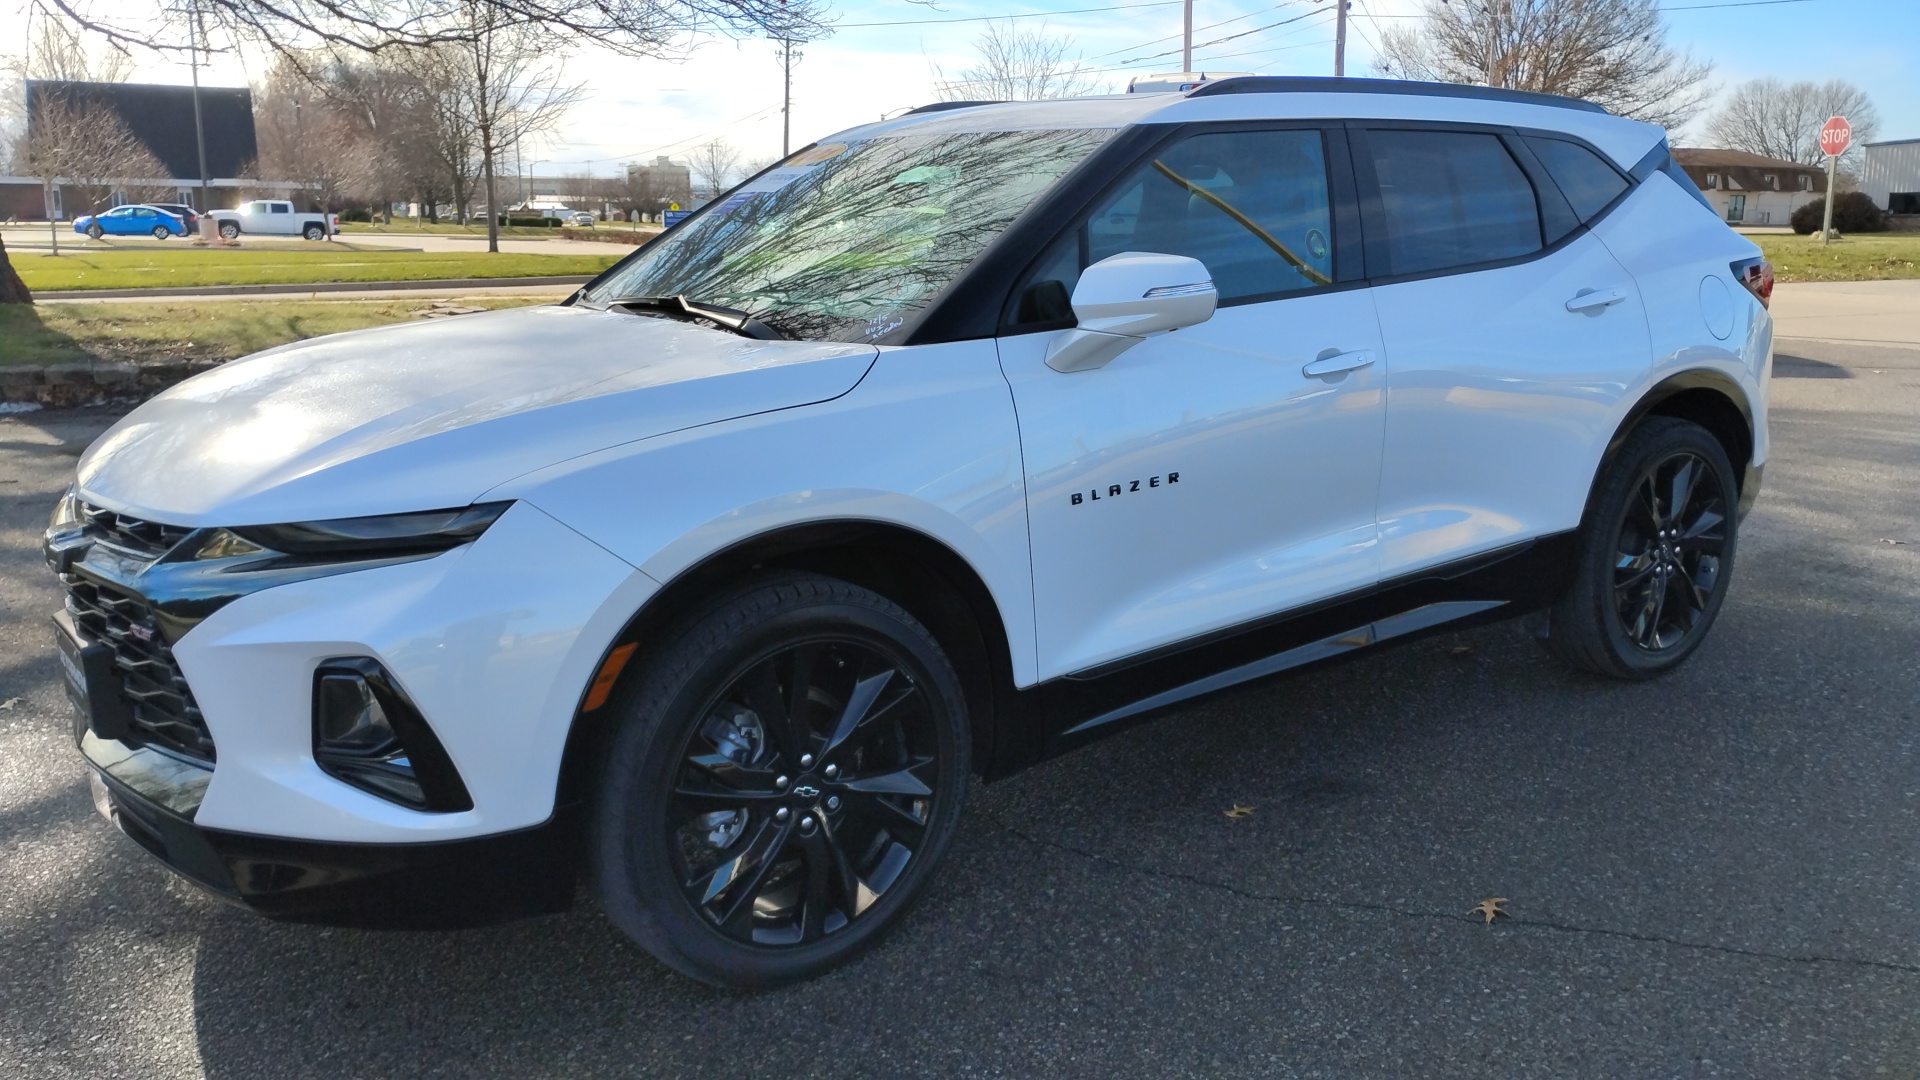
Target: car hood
x: 433, y: 414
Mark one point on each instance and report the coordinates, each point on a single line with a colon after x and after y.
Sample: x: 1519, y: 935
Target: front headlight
x: 66, y: 513
x: 378, y: 536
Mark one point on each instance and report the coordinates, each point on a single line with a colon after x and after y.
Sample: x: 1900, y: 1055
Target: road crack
x: 1416, y: 913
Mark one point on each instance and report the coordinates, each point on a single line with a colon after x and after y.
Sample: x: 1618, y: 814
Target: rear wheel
x: 313, y: 232
x: 781, y: 783
x: 1656, y: 555
x: 229, y: 231
x: 161, y: 232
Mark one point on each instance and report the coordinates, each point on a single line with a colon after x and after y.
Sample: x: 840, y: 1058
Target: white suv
x: 943, y: 446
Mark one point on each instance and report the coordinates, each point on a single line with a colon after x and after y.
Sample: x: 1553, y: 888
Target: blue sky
x: 731, y: 89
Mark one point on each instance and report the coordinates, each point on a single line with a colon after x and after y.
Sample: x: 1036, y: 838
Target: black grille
x: 148, y: 538
x: 164, y: 712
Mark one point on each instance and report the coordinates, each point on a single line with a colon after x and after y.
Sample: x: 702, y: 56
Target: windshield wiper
x: 679, y: 307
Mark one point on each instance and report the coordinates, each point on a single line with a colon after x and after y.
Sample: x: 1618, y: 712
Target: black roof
x: 162, y: 118
x: 1321, y: 84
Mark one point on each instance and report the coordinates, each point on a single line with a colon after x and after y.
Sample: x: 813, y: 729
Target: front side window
x: 1251, y: 205
x: 846, y: 241
x: 1588, y: 182
x: 1451, y: 198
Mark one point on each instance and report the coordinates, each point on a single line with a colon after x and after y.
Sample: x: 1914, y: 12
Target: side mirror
x: 1126, y: 298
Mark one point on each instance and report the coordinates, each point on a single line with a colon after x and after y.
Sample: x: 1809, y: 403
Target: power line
x: 1230, y: 37
x: 1176, y: 37
x: 1022, y: 15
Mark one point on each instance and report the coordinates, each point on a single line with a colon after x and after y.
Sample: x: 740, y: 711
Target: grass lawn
x: 64, y: 333
x: 159, y: 268
x: 1859, y: 257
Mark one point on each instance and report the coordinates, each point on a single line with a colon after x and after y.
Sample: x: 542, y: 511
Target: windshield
x: 846, y: 241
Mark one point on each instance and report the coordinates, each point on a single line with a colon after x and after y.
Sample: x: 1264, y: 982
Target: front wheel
x: 781, y: 782
x: 95, y: 232
x: 1656, y: 555
x: 229, y: 231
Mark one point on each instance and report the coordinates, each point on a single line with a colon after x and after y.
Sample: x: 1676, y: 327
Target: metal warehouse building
x: 1891, y: 175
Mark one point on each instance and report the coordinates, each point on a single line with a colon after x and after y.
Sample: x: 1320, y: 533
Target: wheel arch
x: 918, y: 572
x: 1710, y: 398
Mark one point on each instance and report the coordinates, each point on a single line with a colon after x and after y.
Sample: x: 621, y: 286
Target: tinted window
x: 1588, y: 182
x: 282, y: 208
x: 1451, y: 198
x: 1251, y: 205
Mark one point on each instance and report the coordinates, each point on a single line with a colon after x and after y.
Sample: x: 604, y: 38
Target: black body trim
x: 428, y: 886
x: 1320, y: 84
x: 1487, y: 587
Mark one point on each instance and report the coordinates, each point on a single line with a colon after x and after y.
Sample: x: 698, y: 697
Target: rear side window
x: 1251, y: 205
x: 1588, y: 182
x: 1451, y: 198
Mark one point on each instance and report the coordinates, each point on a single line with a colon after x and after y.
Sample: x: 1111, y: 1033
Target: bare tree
x: 53, y: 51
x: 1017, y: 63
x: 83, y: 148
x: 1612, y: 52
x: 713, y: 165
x: 1782, y: 120
x: 307, y: 136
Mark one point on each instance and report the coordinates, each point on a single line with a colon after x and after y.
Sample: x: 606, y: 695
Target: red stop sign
x: 1835, y: 136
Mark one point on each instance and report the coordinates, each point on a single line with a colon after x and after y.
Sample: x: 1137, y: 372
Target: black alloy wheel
x: 1656, y: 554
x: 805, y: 794
x: 1667, y: 567
x: 781, y: 781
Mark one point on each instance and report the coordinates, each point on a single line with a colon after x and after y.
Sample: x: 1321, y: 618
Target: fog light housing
x: 367, y: 733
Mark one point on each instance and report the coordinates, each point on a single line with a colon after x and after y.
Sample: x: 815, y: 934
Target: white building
x: 1890, y: 175
x: 1751, y: 189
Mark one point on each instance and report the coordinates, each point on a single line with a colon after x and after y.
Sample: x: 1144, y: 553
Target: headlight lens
x: 385, y: 534
x: 66, y: 513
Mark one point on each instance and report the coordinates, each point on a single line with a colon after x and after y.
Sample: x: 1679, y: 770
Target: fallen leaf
x: 1238, y: 812
x: 1490, y: 907
x: 9, y: 703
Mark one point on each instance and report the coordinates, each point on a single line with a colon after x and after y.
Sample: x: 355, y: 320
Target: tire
x: 313, y: 232
x: 95, y: 232
x: 229, y: 231
x: 720, y: 848
x: 1649, y: 582
x: 161, y: 232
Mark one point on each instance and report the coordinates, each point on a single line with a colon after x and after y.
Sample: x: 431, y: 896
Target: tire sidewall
x: 632, y: 863
x: 1640, y: 457
x: 229, y: 231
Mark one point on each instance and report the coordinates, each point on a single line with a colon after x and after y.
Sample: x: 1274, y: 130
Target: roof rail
x: 943, y: 106
x: 1320, y: 84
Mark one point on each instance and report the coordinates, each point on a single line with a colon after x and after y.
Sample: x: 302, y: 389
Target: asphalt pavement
x: 1709, y: 875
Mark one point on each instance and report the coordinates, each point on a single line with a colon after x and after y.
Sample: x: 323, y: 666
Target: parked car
x: 135, y: 219
x: 951, y: 444
x: 580, y: 219
x: 188, y: 216
x: 269, y: 217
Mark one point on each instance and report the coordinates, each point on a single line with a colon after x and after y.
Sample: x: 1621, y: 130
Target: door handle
x: 1590, y: 300
x: 1332, y: 363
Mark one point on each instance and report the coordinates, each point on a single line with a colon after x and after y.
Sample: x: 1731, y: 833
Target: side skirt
x: 1508, y: 582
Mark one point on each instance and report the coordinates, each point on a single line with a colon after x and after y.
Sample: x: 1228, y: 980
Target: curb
x: 93, y: 382
x: 40, y: 296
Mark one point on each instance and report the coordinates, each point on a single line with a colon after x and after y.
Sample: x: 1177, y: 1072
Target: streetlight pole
x: 786, y: 99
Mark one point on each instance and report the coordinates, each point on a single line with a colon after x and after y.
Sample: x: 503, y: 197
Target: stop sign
x: 1835, y: 136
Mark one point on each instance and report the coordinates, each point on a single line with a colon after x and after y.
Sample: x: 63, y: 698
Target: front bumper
x: 152, y: 798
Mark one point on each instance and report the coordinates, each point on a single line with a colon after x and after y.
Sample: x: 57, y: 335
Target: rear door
x: 1510, y: 334
x: 1203, y: 479
x: 280, y: 218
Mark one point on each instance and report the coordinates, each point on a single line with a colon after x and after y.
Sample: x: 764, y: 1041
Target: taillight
x: 1757, y: 276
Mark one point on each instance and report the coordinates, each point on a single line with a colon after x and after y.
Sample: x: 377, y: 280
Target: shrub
x: 361, y: 216
x: 1853, y: 212
x: 530, y: 222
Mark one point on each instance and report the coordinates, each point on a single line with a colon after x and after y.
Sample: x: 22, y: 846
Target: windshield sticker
x: 823, y: 152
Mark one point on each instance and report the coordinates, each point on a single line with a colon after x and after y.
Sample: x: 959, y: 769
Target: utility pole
x: 1340, y: 37
x: 786, y: 100
x: 1186, y: 39
x: 196, y: 28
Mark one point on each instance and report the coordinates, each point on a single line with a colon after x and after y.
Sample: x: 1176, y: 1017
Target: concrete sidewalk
x: 1854, y: 312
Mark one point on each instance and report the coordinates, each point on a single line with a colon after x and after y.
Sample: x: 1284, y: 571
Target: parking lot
x: 1714, y: 874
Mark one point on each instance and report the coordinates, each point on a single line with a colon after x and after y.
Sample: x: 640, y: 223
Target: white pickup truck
x: 269, y: 217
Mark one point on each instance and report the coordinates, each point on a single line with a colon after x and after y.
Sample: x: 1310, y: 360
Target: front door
x: 1202, y: 479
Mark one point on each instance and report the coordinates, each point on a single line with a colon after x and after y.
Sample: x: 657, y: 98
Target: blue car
x: 134, y: 220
